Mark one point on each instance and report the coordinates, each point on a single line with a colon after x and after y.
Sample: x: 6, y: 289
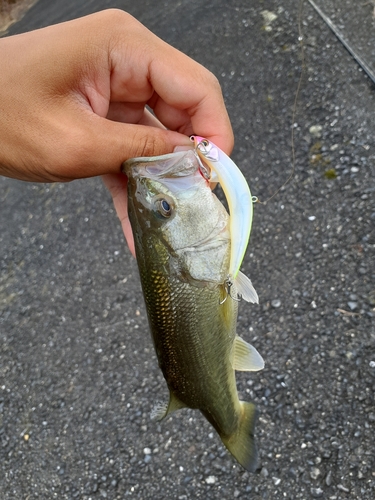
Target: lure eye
x: 203, y: 146
x: 164, y: 208
x: 204, y: 142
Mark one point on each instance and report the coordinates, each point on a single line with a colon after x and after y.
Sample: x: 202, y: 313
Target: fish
x: 183, y: 248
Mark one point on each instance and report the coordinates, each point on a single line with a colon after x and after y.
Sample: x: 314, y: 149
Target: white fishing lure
x: 238, y: 196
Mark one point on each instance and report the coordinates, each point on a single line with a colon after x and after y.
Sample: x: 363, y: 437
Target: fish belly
x: 193, y: 336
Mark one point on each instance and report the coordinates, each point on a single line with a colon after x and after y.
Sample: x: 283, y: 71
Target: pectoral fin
x: 245, y: 289
x: 245, y: 357
x: 161, y: 410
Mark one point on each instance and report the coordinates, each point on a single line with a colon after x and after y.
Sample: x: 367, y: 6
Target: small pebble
x: 276, y: 303
x: 268, y: 16
x: 352, y: 305
x: 329, y: 478
x: 315, y: 473
x: 316, y: 492
x: 316, y: 131
x: 211, y: 480
x: 293, y: 473
x: 264, y: 472
x: 341, y: 487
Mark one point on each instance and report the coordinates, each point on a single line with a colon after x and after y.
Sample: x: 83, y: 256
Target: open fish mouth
x: 163, y: 166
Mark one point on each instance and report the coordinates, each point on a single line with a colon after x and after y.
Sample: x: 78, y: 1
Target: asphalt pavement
x: 78, y: 375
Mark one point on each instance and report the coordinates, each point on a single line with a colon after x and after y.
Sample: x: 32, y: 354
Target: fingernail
x: 182, y: 148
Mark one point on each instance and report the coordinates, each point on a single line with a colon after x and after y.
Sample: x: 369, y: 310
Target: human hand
x: 73, y: 100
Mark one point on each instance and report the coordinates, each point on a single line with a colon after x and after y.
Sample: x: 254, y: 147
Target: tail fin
x: 242, y: 444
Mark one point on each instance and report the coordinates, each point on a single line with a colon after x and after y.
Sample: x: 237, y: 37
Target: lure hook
x: 227, y: 287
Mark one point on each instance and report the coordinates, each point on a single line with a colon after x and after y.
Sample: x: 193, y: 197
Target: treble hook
x: 204, y: 169
x: 227, y: 287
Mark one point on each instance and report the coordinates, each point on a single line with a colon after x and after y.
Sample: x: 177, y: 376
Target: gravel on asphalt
x: 78, y: 375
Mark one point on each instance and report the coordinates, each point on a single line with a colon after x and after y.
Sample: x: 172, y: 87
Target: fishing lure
x: 238, y: 196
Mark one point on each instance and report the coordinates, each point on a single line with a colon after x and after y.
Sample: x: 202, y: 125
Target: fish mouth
x: 163, y: 166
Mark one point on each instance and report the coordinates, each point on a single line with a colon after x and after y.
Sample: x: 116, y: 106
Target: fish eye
x: 164, y: 207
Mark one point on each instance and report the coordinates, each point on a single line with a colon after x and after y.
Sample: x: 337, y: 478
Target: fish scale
x: 183, y: 260
x: 176, y: 325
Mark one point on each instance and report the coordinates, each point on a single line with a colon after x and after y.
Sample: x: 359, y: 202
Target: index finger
x: 184, y: 95
x: 188, y: 98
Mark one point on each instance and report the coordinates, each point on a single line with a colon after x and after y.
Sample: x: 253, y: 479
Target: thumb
x: 108, y: 144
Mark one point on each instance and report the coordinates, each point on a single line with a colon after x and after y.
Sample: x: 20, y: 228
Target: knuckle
x: 145, y: 144
x: 119, y: 20
x: 115, y: 16
x: 212, y: 80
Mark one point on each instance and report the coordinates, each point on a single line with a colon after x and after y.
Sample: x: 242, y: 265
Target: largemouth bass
x: 182, y: 242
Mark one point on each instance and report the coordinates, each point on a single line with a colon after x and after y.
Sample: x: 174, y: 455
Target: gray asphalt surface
x: 355, y: 22
x: 78, y: 376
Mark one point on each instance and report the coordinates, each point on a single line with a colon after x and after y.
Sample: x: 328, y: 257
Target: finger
x: 117, y: 142
x: 117, y: 186
x: 125, y: 113
x: 151, y: 121
x: 215, y: 128
x: 184, y: 95
x: 101, y: 146
x: 196, y: 93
